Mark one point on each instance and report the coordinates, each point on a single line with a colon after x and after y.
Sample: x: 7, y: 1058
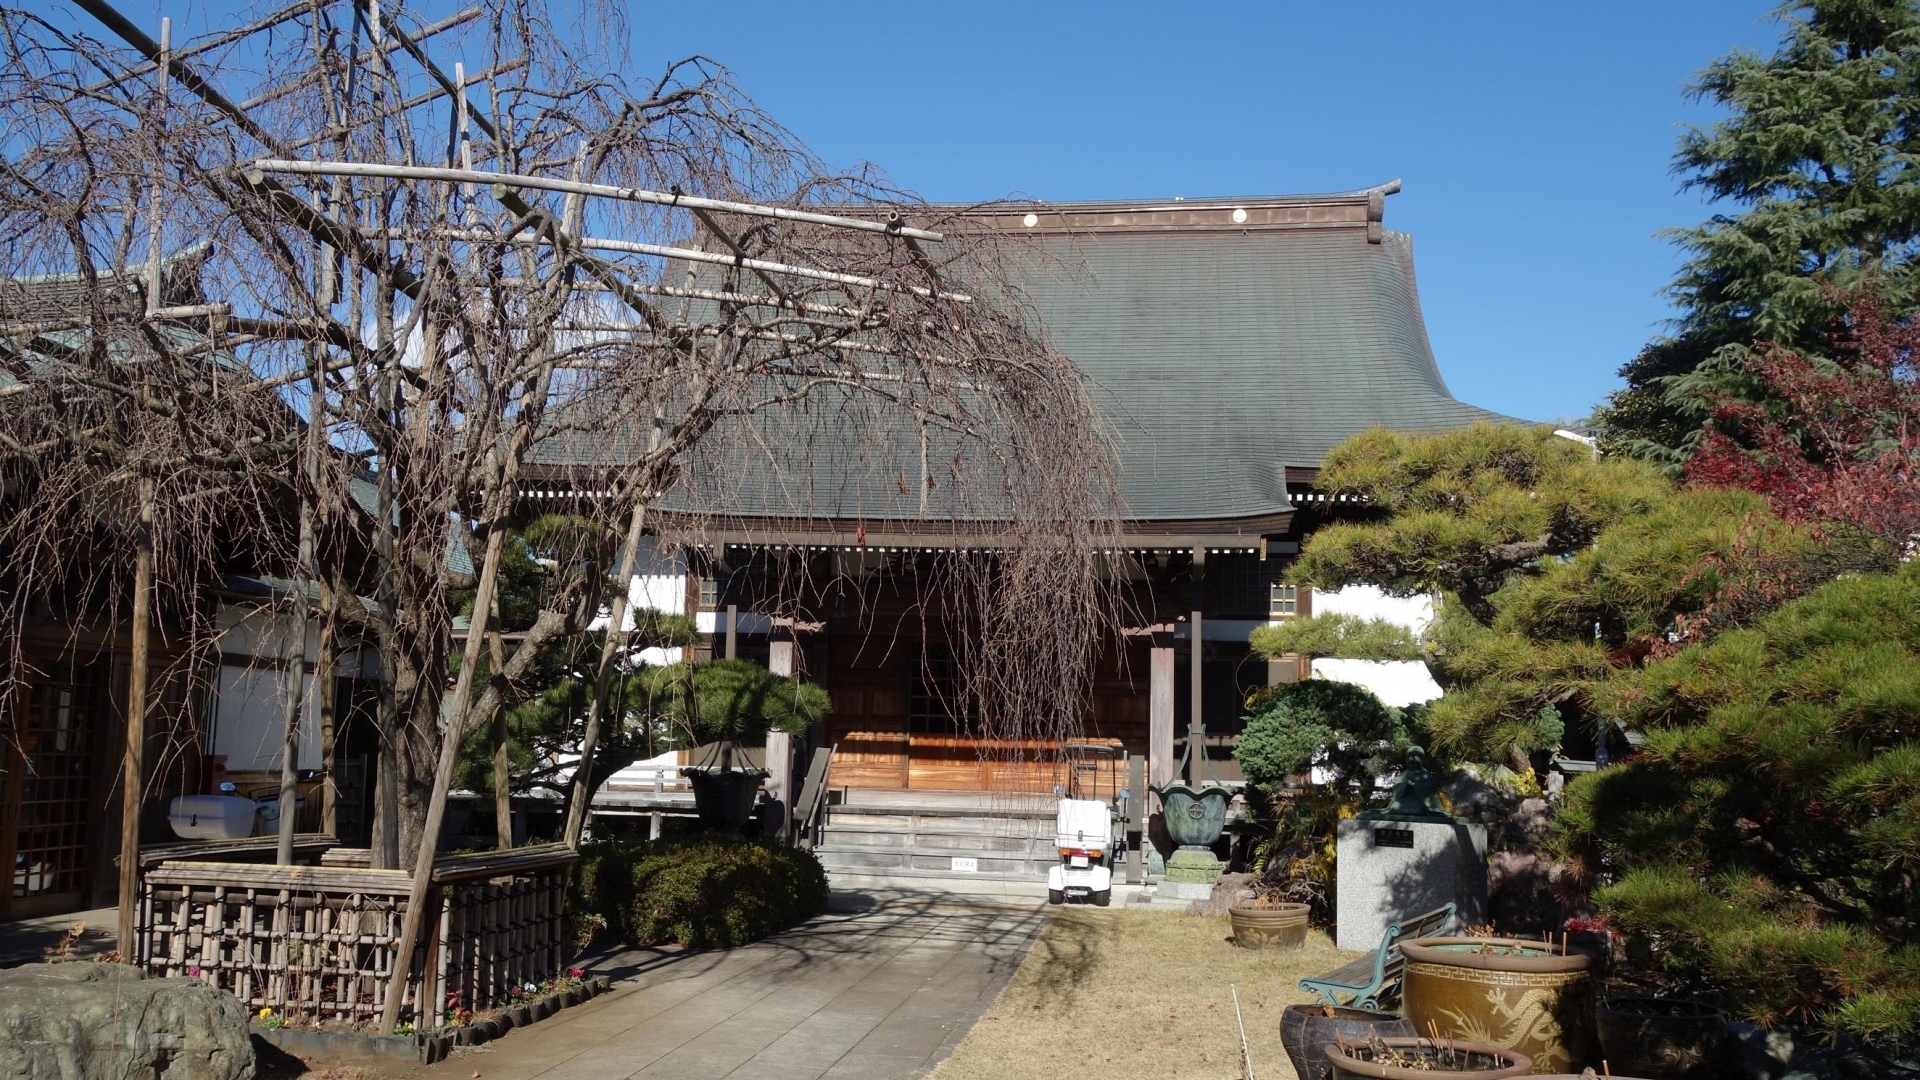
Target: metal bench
x: 1370, y: 980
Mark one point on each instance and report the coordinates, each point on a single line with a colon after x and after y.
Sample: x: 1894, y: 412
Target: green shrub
x: 706, y: 890
x: 1341, y: 725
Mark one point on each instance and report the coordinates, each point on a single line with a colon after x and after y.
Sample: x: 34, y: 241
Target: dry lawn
x: 1118, y: 995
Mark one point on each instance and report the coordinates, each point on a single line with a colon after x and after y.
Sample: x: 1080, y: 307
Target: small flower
x: 530, y: 988
x: 576, y: 973
x: 264, y: 1013
x: 193, y: 973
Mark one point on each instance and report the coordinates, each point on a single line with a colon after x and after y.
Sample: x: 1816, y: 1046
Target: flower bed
x: 460, y: 1025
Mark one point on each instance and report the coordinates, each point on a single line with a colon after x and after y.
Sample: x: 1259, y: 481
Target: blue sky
x: 1534, y: 139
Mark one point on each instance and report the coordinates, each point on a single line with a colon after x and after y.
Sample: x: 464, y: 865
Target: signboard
x: 972, y: 866
x: 1393, y: 838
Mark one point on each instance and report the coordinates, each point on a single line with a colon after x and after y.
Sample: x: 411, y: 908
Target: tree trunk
x: 134, y: 778
x: 502, y: 782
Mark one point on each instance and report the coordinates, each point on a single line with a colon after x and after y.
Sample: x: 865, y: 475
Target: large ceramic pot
x: 1516, y: 995
x: 723, y: 798
x: 1194, y: 816
x: 1282, y: 926
x: 1663, y: 1038
x: 1304, y: 1029
x: 1456, y: 1058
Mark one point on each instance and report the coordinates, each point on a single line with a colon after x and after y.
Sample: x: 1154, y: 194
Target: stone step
x: 842, y: 836
x: 920, y: 862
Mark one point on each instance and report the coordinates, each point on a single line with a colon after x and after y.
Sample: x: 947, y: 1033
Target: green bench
x: 1372, y: 979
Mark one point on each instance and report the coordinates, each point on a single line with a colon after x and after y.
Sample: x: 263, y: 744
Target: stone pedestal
x: 1392, y: 870
x: 1191, y: 872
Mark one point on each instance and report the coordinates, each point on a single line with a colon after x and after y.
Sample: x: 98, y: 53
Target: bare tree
x: 418, y: 295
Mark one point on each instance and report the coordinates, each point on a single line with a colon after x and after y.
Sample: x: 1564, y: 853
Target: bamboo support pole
x: 609, y: 191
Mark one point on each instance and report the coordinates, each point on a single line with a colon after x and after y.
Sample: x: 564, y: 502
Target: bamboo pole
x: 135, y: 758
x: 548, y: 183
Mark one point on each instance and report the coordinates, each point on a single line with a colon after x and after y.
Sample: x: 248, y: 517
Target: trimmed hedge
x: 705, y: 890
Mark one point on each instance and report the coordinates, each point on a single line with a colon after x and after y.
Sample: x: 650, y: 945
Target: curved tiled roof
x: 1226, y: 340
x: 1222, y: 358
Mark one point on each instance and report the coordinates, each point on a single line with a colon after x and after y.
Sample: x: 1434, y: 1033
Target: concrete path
x: 880, y: 988
x: 27, y: 941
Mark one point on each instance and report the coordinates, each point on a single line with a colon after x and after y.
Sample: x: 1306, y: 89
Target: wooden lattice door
x: 47, y: 791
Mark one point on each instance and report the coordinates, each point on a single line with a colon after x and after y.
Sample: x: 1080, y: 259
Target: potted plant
x: 1666, y: 1038
x: 727, y: 705
x: 1269, y: 920
x: 1418, y: 1059
x: 1527, y: 996
x: 1304, y: 1029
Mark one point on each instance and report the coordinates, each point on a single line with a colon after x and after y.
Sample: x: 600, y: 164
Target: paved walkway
x: 881, y: 988
x: 27, y: 941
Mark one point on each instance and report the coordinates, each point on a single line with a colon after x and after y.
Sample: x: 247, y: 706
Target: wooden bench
x: 1372, y: 979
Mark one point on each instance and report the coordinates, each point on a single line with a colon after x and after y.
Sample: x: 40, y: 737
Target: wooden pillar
x: 1160, y: 707
x: 1196, y: 655
x: 780, y: 661
x: 1197, y: 721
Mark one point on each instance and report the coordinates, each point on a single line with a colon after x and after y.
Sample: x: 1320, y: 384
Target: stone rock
x: 1525, y: 828
x: 93, y: 1021
x: 1521, y: 898
x: 1226, y: 892
x: 1472, y: 798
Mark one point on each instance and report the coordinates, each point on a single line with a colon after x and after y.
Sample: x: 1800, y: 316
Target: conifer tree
x: 1818, y: 153
x: 1766, y: 839
x: 1555, y: 570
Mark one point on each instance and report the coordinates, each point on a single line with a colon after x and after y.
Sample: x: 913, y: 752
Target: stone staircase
x: 959, y: 835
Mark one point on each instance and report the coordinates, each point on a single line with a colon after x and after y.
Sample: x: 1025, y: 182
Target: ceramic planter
x: 1662, y: 1038
x: 724, y: 798
x: 1515, y: 995
x: 1459, y: 1059
x: 1282, y: 926
x: 1304, y: 1029
x: 519, y: 1016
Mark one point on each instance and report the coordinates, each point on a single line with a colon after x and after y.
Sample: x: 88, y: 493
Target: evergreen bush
x: 708, y: 890
x: 1340, y: 726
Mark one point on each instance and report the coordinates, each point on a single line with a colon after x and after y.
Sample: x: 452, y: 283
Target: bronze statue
x: 1417, y: 796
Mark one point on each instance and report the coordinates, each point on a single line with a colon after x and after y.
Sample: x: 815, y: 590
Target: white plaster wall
x: 250, y: 709
x: 1368, y: 602
x: 1398, y: 683
x: 250, y: 700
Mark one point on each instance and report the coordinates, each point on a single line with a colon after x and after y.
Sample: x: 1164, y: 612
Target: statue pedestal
x: 1391, y: 870
x: 1191, y: 872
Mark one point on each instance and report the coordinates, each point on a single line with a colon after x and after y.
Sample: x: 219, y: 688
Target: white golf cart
x: 1085, y: 829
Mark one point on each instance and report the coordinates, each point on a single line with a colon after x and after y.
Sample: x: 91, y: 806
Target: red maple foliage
x: 1834, y: 442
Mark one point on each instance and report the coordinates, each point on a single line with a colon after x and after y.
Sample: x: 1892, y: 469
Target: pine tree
x: 1766, y: 840
x: 1555, y: 570
x: 1819, y: 152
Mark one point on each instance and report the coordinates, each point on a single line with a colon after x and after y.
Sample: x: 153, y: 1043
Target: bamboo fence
x: 316, y: 944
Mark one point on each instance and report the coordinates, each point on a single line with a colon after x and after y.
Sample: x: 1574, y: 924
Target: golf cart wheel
x: 1056, y: 896
x: 1103, y: 898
